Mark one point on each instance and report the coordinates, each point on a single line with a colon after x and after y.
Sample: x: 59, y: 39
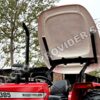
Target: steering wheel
x: 48, y: 81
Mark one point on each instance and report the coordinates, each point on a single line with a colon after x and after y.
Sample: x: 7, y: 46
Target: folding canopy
x: 67, y: 31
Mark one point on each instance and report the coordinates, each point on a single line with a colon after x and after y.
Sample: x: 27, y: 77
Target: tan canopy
x: 67, y: 32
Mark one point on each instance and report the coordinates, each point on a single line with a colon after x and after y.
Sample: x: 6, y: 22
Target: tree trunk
x: 11, y: 49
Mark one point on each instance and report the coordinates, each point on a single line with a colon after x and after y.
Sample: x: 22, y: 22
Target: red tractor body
x: 24, y: 91
x: 80, y: 89
x: 40, y: 91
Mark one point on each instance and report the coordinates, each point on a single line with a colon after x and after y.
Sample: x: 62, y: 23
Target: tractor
x: 69, y: 43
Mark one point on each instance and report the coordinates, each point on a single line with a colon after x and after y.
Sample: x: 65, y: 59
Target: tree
x: 12, y: 14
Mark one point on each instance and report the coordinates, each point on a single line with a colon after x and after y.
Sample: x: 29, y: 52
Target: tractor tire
x: 92, y: 95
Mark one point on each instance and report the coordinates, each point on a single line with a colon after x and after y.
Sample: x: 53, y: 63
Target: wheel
x: 92, y: 95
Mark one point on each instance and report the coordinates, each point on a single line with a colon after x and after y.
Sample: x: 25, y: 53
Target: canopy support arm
x: 80, y: 60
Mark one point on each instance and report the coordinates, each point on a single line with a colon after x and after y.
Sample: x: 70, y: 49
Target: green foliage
x: 12, y: 37
x: 95, y: 73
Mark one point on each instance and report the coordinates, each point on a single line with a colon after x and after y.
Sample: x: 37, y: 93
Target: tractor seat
x: 60, y: 88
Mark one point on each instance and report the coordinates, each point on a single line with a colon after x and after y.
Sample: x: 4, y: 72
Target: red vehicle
x: 69, y: 42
